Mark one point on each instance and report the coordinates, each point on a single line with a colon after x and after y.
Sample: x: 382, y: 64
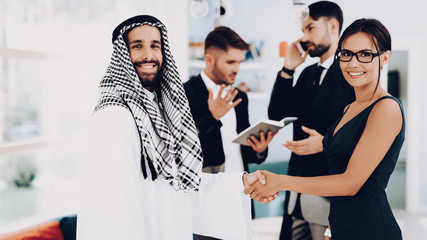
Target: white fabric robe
x: 116, y: 202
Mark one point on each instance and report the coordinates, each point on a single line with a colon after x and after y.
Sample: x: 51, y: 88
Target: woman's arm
x: 383, y: 125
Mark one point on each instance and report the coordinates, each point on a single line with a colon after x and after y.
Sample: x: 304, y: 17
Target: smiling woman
x: 362, y: 147
x: 366, y: 51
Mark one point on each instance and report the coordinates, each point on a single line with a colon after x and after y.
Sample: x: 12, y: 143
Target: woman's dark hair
x: 376, y: 30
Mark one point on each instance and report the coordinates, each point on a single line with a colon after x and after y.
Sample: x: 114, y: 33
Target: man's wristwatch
x: 288, y: 71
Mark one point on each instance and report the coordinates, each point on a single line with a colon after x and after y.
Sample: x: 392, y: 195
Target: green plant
x: 18, y: 171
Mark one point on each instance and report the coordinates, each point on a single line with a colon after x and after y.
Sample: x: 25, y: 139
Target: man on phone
x: 317, y: 99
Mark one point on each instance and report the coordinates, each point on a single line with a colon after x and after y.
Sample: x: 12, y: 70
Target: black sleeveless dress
x: 366, y: 215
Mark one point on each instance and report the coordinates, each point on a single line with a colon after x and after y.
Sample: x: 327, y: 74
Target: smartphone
x: 302, y: 47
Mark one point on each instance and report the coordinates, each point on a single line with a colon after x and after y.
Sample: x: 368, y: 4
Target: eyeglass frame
x: 337, y: 54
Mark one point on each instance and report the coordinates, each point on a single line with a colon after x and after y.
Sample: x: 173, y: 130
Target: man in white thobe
x: 142, y: 177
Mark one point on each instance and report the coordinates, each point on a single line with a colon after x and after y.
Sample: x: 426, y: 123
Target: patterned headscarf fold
x: 177, y: 156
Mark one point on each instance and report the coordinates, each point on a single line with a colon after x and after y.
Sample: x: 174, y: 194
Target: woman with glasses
x: 362, y: 147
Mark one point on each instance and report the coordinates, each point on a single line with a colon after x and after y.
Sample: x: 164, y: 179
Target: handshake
x: 262, y: 186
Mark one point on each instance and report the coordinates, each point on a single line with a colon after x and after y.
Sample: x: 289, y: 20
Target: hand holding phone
x: 295, y: 55
x: 302, y: 48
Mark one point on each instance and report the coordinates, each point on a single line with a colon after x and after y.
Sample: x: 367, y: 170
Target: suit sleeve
x: 206, y: 123
x: 282, y: 99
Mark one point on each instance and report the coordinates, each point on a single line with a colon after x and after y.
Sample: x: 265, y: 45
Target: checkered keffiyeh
x: 177, y: 157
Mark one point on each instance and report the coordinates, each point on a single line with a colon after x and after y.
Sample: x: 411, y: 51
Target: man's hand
x: 251, y: 178
x: 260, y: 145
x: 259, y: 178
x: 311, y: 145
x: 262, y: 192
x: 221, y: 105
x: 293, y: 56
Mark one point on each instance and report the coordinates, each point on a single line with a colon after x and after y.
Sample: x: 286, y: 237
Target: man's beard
x: 220, y: 77
x: 150, y: 80
x: 319, y: 50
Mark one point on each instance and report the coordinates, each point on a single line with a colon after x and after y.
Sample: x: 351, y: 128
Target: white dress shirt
x: 233, y: 156
x: 326, y: 65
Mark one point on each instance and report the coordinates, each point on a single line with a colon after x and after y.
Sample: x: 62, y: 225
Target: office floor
x: 413, y: 226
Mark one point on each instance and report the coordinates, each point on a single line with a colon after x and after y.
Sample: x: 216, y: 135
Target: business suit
x: 209, y: 127
x: 317, y: 112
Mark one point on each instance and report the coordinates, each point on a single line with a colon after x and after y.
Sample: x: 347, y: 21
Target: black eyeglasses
x: 362, y: 56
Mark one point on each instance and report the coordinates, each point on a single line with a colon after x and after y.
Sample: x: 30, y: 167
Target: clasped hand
x: 264, y: 191
x: 261, y: 186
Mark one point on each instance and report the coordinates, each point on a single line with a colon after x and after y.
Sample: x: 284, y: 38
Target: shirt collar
x: 327, y: 63
x: 208, y: 82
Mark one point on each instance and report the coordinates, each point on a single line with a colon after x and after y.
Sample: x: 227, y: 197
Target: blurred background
x: 53, y: 54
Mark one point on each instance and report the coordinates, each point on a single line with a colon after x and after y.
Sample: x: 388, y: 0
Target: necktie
x: 316, y: 79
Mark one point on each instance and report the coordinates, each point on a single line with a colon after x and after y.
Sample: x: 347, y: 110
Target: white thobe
x: 116, y: 202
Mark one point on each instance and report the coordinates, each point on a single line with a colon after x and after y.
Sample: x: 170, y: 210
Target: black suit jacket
x: 319, y: 113
x: 209, y: 128
x: 327, y: 106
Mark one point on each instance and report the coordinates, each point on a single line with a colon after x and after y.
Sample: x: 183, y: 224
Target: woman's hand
x: 327, y: 234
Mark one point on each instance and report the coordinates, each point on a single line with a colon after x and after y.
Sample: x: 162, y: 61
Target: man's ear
x: 334, y: 26
x: 209, y: 59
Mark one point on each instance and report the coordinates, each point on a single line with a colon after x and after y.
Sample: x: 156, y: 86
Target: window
x: 52, y: 57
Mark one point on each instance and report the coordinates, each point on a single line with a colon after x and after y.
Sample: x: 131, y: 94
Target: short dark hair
x: 223, y: 37
x: 375, y: 29
x: 326, y: 9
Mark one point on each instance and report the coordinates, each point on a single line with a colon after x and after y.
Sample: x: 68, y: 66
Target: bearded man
x: 142, y: 177
x: 317, y: 99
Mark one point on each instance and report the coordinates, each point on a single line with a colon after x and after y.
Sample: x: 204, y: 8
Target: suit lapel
x: 201, y: 90
x: 326, y: 88
x: 239, y: 111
